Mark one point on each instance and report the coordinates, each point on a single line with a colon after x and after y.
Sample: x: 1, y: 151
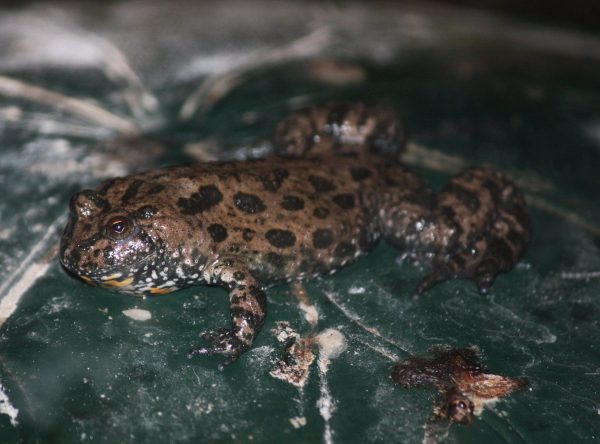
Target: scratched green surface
x: 79, y: 370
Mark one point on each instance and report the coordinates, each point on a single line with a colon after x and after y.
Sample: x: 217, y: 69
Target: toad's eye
x: 118, y: 227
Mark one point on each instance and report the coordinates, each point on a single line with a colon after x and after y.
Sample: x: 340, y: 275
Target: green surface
x: 79, y: 370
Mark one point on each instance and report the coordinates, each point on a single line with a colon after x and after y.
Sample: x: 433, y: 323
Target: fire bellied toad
x: 332, y: 191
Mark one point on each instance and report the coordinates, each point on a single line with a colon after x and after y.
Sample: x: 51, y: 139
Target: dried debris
x: 464, y: 386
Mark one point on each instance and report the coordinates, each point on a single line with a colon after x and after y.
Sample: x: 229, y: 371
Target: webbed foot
x: 481, y: 272
x: 247, y: 307
x: 482, y: 218
x: 223, y: 342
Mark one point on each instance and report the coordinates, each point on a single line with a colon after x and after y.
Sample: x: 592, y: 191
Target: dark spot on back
x: 280, y: 238
x: 145, y: 212
x: 234, y: 248
x: 106, y: 186
x: 248, y: 234
x: 217, y: 232
x: 273, y: 179
x: 276, y: 260
x: 207, y: 197
x: 449, y: 213
x: 344, y: 201
x: 322, y: 238
x: 360, y: 173
x: 292, y: 203
x: 320, y: 184
x: 131, y: 190
x: 223, y: 177
x: 239, y: 275
x: 344, y: 249
x: 156, y: 189
x: 312, y: 266
x: 321, y: 212
x: 249, y: 203
x: 337, y: 114
x: 468, y: 198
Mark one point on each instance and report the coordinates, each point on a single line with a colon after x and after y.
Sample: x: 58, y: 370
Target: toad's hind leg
x: 481, y: 228
x: 247, y: 306
x: 343, y: 128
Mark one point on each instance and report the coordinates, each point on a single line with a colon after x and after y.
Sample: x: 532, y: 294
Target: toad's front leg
x: 247, y: 305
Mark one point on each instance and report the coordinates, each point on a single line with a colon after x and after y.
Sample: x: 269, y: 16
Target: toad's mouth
x: 117, y: 276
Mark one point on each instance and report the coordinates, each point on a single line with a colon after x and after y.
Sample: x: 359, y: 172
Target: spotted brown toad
x: 331, y: 192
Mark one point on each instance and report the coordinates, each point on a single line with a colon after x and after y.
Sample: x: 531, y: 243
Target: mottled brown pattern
x: 284, y: 218
x: 461, y: 379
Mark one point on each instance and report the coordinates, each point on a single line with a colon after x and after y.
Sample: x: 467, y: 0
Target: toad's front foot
x: 223, y: 342
x: 247, y: 306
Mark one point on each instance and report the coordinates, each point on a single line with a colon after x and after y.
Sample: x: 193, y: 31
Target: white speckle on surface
x: 200, y: 407
x: 138, y: 314
x: 260, y: 355
x: 580, y: 275
x: 356, y: 290
x: 5, y: 233
x: 331, y: 344
x: 298, y: 421
x: 7, y: 408
x: 310, y: 313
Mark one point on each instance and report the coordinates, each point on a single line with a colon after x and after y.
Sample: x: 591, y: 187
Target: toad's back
x: 288, y: 218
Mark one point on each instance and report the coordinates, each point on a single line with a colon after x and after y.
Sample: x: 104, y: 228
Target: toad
x: 332, y: 190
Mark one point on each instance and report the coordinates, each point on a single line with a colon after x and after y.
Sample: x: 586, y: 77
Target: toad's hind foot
x: 482, y: 219
x: 482, y: 271
x: 223, y: 342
